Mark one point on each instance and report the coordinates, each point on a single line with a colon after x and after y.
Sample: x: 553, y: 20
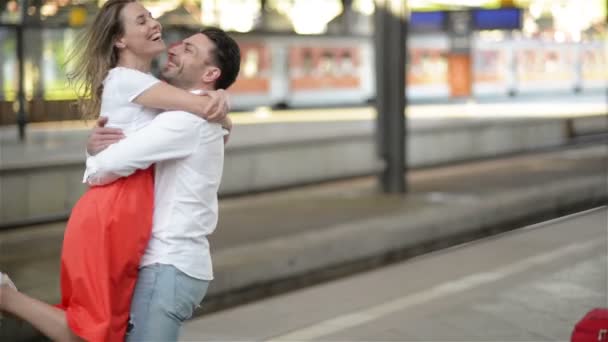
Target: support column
x: 348, y: 21
x: 21, y: 116
x: 263, y: 25
x: 35, y: 48
x: 390, y: 47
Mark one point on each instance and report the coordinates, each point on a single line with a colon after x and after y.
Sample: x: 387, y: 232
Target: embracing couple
x: 135, y: 260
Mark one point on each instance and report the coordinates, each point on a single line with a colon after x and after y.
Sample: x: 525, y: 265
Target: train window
x: 327, y: 63
x: 347, y: 66
x: 251, y: 63
x: 56, y: 45
x: 10, y: 12
x: 8, y: 64
x: 307, y: 61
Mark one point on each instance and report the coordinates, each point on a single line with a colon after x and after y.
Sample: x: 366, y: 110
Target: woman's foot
x: 5, y: 285
x: 6, y: 281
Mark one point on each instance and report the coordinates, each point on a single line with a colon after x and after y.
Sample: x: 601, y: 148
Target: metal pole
x: 347, y: 17
x: 263, y: 25
x: 390, y: 45
x: 380, y: 52
x: 21, y: 116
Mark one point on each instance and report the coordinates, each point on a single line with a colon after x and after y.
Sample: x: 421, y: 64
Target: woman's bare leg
x: 49, y: 320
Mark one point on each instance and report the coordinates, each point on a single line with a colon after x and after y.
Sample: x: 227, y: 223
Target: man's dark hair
x: 226, y: 56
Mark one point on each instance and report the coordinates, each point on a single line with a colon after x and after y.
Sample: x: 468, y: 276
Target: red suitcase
x: 593, y: 327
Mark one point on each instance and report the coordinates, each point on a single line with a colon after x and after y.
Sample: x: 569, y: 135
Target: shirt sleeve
x: 171, y: 135
x: 131, y: 83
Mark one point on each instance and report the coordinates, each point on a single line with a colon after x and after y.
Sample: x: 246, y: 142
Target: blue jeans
x: 164, y: 298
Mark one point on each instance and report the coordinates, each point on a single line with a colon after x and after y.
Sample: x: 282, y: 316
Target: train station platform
x: 532, y: 284
x: 281, y: 149
x: 269, y: 243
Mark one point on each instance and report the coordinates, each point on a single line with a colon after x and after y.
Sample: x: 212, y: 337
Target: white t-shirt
x: 120, y: 88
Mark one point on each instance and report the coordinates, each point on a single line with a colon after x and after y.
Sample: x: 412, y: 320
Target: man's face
x: 190, y: 63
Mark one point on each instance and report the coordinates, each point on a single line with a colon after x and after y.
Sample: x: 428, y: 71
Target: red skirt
x: 105, y: 238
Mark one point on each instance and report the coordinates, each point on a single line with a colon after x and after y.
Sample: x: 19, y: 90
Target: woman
x: 110, y: 226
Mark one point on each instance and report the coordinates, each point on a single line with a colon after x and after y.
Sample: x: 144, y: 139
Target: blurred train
x: 305, y: 71
x: 293, y: 71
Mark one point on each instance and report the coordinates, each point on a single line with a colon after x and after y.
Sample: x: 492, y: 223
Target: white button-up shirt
x: 189, y: 156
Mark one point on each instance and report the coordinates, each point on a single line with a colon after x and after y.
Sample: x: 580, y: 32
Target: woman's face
x: 142, y: 33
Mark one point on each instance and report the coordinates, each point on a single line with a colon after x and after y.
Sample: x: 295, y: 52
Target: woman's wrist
x: 199, y: 106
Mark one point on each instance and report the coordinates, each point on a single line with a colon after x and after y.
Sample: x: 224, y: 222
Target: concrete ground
x: 269, y: 239
x: 532, y: 284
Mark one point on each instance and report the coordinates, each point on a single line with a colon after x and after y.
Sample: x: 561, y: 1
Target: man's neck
x: 187, y: 86
x: 199, y: 88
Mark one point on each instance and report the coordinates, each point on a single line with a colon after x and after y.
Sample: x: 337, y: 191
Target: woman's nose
x: 156, y: 24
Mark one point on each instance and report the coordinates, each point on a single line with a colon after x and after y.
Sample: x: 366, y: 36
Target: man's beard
x: 168, y: 77
x: 179, y: 82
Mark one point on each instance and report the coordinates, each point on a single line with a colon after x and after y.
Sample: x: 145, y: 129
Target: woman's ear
x: 120, y: 43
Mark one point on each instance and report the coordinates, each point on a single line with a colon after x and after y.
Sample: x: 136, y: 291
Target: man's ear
x: 211, y: 75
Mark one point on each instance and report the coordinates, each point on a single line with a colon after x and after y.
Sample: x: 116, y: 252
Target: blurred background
x: 505, y: 125
x: 302, y: 53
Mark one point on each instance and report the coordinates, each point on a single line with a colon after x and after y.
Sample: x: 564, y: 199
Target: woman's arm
x: 227, y: 125
x: 167, y: 97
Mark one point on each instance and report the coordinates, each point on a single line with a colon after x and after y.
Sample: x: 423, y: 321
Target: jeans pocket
x: 189, y: 293
x: 183, y: 311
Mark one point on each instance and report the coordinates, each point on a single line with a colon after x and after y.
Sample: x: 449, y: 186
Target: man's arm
x: 171, y: 135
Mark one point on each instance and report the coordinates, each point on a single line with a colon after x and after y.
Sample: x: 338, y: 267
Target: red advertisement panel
x: 255, y: 69
x: 314, y: 68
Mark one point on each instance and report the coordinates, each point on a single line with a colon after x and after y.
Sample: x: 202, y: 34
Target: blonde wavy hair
x: 93, y: 55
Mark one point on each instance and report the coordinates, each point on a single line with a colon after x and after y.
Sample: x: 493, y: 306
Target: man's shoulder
x: 186, y: 121
x: 179, y: 118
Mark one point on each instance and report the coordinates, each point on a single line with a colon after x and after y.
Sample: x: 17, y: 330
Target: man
x: 176, y: 269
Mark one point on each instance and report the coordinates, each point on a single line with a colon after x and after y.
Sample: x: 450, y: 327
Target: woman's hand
x: 215, y: 108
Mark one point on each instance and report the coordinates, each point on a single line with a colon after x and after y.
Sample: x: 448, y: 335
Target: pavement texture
x: 270, y: 243
x: 530, y: 284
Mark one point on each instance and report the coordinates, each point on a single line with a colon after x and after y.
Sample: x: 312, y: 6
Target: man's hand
x: 102, y: 137
x: 218, y: 106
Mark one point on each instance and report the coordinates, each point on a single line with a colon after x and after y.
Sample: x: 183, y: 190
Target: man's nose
x: 173, y: 48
